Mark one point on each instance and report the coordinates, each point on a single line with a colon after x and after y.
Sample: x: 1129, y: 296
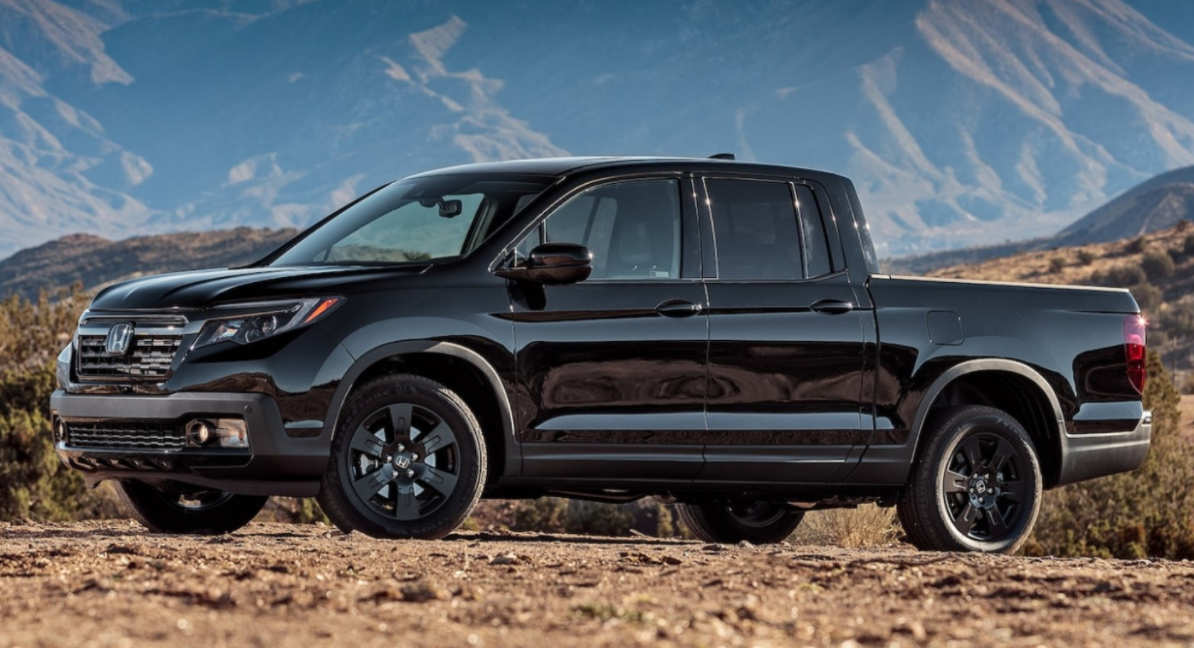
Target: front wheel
x: 407, y: 461
x: 190, y: 512
x: 732, y: 522
x: 976, y: 485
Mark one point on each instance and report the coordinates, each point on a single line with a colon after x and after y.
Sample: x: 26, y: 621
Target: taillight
x: 1134, y: 349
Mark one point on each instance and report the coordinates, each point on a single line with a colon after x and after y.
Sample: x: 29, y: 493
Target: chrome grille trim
x: 130, y: 435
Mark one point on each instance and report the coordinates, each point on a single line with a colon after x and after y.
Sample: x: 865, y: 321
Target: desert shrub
x: 295, y: 510
x: 1056, y: 264
x: 1147, y: 512
x: 1177, y: 320
x: 865, y: 526
x: 1121, y: 276
x: 1137, y: 245
x: 1148, y: 297
x: 1182, y: 225
x: 557, y: 515
x: 1188, y: 245
x: 1157, y: 264
x: 35, y: 484
x: 1086, y: 257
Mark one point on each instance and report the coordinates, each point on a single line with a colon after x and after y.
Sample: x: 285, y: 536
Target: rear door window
x: 767, y: 230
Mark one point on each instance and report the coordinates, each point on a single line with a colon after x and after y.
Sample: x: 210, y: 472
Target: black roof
x: 560, y: 166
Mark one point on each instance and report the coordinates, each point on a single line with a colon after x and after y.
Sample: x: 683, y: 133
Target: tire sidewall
x: 443, y: 403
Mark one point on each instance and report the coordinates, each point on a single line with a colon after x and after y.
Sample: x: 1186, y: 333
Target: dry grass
x: 865, y: 526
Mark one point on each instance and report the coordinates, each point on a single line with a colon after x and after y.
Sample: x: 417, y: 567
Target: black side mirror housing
x: 553, y: 264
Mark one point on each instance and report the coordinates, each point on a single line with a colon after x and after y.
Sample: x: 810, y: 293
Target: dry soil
x: 113, y: 584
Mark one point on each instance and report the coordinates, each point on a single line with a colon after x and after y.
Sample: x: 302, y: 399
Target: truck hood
x: 200, y: 289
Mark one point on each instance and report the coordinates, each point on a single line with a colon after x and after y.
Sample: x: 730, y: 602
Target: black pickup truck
x: 711, y: 333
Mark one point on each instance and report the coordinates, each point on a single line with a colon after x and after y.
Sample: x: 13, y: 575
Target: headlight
x: 265, y: 319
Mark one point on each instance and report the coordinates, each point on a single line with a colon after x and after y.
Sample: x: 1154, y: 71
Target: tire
x: 975, y: 486
x: 198, y: 512
x: 407, y: 461
x: 754, y: 522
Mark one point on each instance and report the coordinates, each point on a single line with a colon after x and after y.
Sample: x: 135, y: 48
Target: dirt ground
x: 112, y: 584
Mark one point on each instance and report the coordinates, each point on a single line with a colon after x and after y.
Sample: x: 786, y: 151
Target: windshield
x: 420, y: 219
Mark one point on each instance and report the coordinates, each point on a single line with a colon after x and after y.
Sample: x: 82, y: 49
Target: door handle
x: 678, y: 308
x: 832, y: 306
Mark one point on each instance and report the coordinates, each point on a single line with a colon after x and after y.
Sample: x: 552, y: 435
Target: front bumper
x: 1087, y: 456
x: 274, y: 464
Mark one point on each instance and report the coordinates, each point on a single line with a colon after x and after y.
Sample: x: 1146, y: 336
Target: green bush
x: 1056, y: 264
x: 36, y: 485
x: 1157, y: 264
x: 1147, y: 512
x: 1086, y: 257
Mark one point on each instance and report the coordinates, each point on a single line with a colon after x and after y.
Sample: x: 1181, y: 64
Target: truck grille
x: 149, y: 357
x: 120, y: 435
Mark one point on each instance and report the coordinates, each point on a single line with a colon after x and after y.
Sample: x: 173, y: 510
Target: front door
x: 611, y: 372
x: 786, y: 339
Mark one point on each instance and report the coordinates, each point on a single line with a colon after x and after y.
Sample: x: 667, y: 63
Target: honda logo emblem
x: 119, y: 337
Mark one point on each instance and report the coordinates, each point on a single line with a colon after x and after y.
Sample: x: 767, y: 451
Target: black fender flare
x: 513, y: 453
x: 974, y: 366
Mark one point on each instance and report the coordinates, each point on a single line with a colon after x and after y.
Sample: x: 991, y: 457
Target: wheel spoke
x: 966, y: 519
x: 1012, y: 491
x: 440, y: 481
x: 369, y: 485
x: 366, y: 442
x: 955, y: 482
x: 400, y: 414
x: 406, y: 507
x: 973, y: 452
x: 437, y: 439
x: 1002, y: 452
x: 995, y: 523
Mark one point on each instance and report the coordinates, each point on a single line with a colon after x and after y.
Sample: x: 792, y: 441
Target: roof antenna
x: 722, y: 156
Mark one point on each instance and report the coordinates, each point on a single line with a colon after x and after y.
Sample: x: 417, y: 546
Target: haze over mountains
x: 960, y: 122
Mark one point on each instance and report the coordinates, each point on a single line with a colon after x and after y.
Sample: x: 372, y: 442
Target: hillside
x: 94, y: 261
x: 961, y: 123
x: 1157, y: 267
x: 1158, y: 203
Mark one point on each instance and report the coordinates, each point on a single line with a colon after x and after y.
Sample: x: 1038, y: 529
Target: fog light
x: 59, y: 430
x: 199, y: 432
x: 222, y: 433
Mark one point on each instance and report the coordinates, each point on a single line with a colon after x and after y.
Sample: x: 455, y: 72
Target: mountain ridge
x: 958, y: 122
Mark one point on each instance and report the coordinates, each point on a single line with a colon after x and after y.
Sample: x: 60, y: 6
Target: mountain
x: 1158, y: 203
x: 93, y: 261
x: 961, y: 123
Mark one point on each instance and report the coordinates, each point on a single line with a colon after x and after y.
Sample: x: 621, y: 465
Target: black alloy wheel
x: 737, y: 520
x: 408, y: 461
x: 976, y: 486
x: 164, y: 510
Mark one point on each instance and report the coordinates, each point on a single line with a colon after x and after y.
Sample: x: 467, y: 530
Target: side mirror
x: 553, y: 264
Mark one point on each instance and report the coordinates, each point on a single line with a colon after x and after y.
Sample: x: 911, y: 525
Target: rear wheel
x: 407, y: 461
x: 196, y: 512
x: 976, y: 486
x: 732, y: 522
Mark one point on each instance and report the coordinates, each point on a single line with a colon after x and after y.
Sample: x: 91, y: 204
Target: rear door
x: 611, y: 371
x: 786, y: 339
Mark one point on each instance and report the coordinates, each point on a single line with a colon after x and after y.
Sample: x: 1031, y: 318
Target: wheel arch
x: 1010, y: 386
x: 458, y: 368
